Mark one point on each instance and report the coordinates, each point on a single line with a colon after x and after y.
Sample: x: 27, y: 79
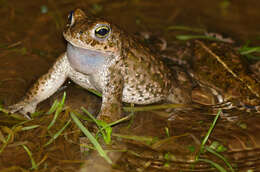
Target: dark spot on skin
x: 110, y: 44
x: 140, y: 92
x: 88, y: 41
x: 105, y: 47
x: 93, y: 43
x: 140, y: 100
x: 142, y: 82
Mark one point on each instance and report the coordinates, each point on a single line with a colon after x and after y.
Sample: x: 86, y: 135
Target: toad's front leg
x: 111, y: 108
x: 44, y: 87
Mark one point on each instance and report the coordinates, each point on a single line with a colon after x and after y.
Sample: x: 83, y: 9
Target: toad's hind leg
x: 179, y: 97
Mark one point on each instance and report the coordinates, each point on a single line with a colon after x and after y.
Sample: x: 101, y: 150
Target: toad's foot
x: 24, y: 108
x: 110, y: 114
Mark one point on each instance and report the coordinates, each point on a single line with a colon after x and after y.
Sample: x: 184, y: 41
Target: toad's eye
x: 102, y: 31
x: 71, y: 18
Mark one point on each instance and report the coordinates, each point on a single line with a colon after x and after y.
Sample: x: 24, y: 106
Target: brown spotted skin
x: 118, y: 66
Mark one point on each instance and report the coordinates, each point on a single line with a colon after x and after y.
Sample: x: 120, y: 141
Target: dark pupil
x: 102, y: 32
x: 70, y: 16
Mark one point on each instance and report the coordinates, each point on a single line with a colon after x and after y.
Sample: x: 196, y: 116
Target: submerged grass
x: 34, y: 166
x: 58, y: 109
x: 106, y: 132
x: 248, y: 51
x: 56, y: 135
x: 104, y: 128
x: 204, y: 148
x: 146, y: 139
x: 186, y: 28
x: 91, y: 138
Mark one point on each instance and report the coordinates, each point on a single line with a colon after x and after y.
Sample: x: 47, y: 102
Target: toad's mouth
x: 76, y: 42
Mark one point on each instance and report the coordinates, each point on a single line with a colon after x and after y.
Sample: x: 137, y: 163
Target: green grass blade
x: 211, y: 128
x: 186, y: 28
x: 91, y: 138
x: 136, y: 138
x: 249, y: 56
x: 208, y: 133
x: 90, y: 115
x: 220, y: 156
x: 104, y: 128
x: 3, y: 110
x: 58, y: 111
x: 217, y: 166
x: 53, y: 107
x: 6, y: 142
x: 34, y: 166
x: 188, y: 37
x: 249, y: 50
x: 95, y: 92
x: 30, y: 127
x: 55, y: 136
x: 153, y: 107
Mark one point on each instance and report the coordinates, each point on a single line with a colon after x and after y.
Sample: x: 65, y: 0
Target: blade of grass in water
x: 57, y: 134
x: 57, y: 112
x: 53, y: 107
x: 186, y: 28
x: 95, y: 92
x: 104, y: 128
x: 220, y: 156
x: 249, y: 56
x: 91, y: 138
x: 208, y: 133
x: 34, y: 166
x: 2, y: 138
x: 11, y: 132
x: 137, y: 138
x: 6, y: 142
x: 217, y: 166
x: 132, y: 115
x: 3, y: 110
x: 188, y: 37
x: 249, y: 50
x: 30, y: 127
x: 153, y: 107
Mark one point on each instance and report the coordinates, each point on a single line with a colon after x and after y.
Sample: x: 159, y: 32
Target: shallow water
x: 31, y: 41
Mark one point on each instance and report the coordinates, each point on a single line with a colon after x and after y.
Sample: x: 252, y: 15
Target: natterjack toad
x: 103, y: 57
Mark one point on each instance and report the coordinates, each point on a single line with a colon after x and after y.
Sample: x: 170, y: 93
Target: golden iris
x: 102, y: 31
